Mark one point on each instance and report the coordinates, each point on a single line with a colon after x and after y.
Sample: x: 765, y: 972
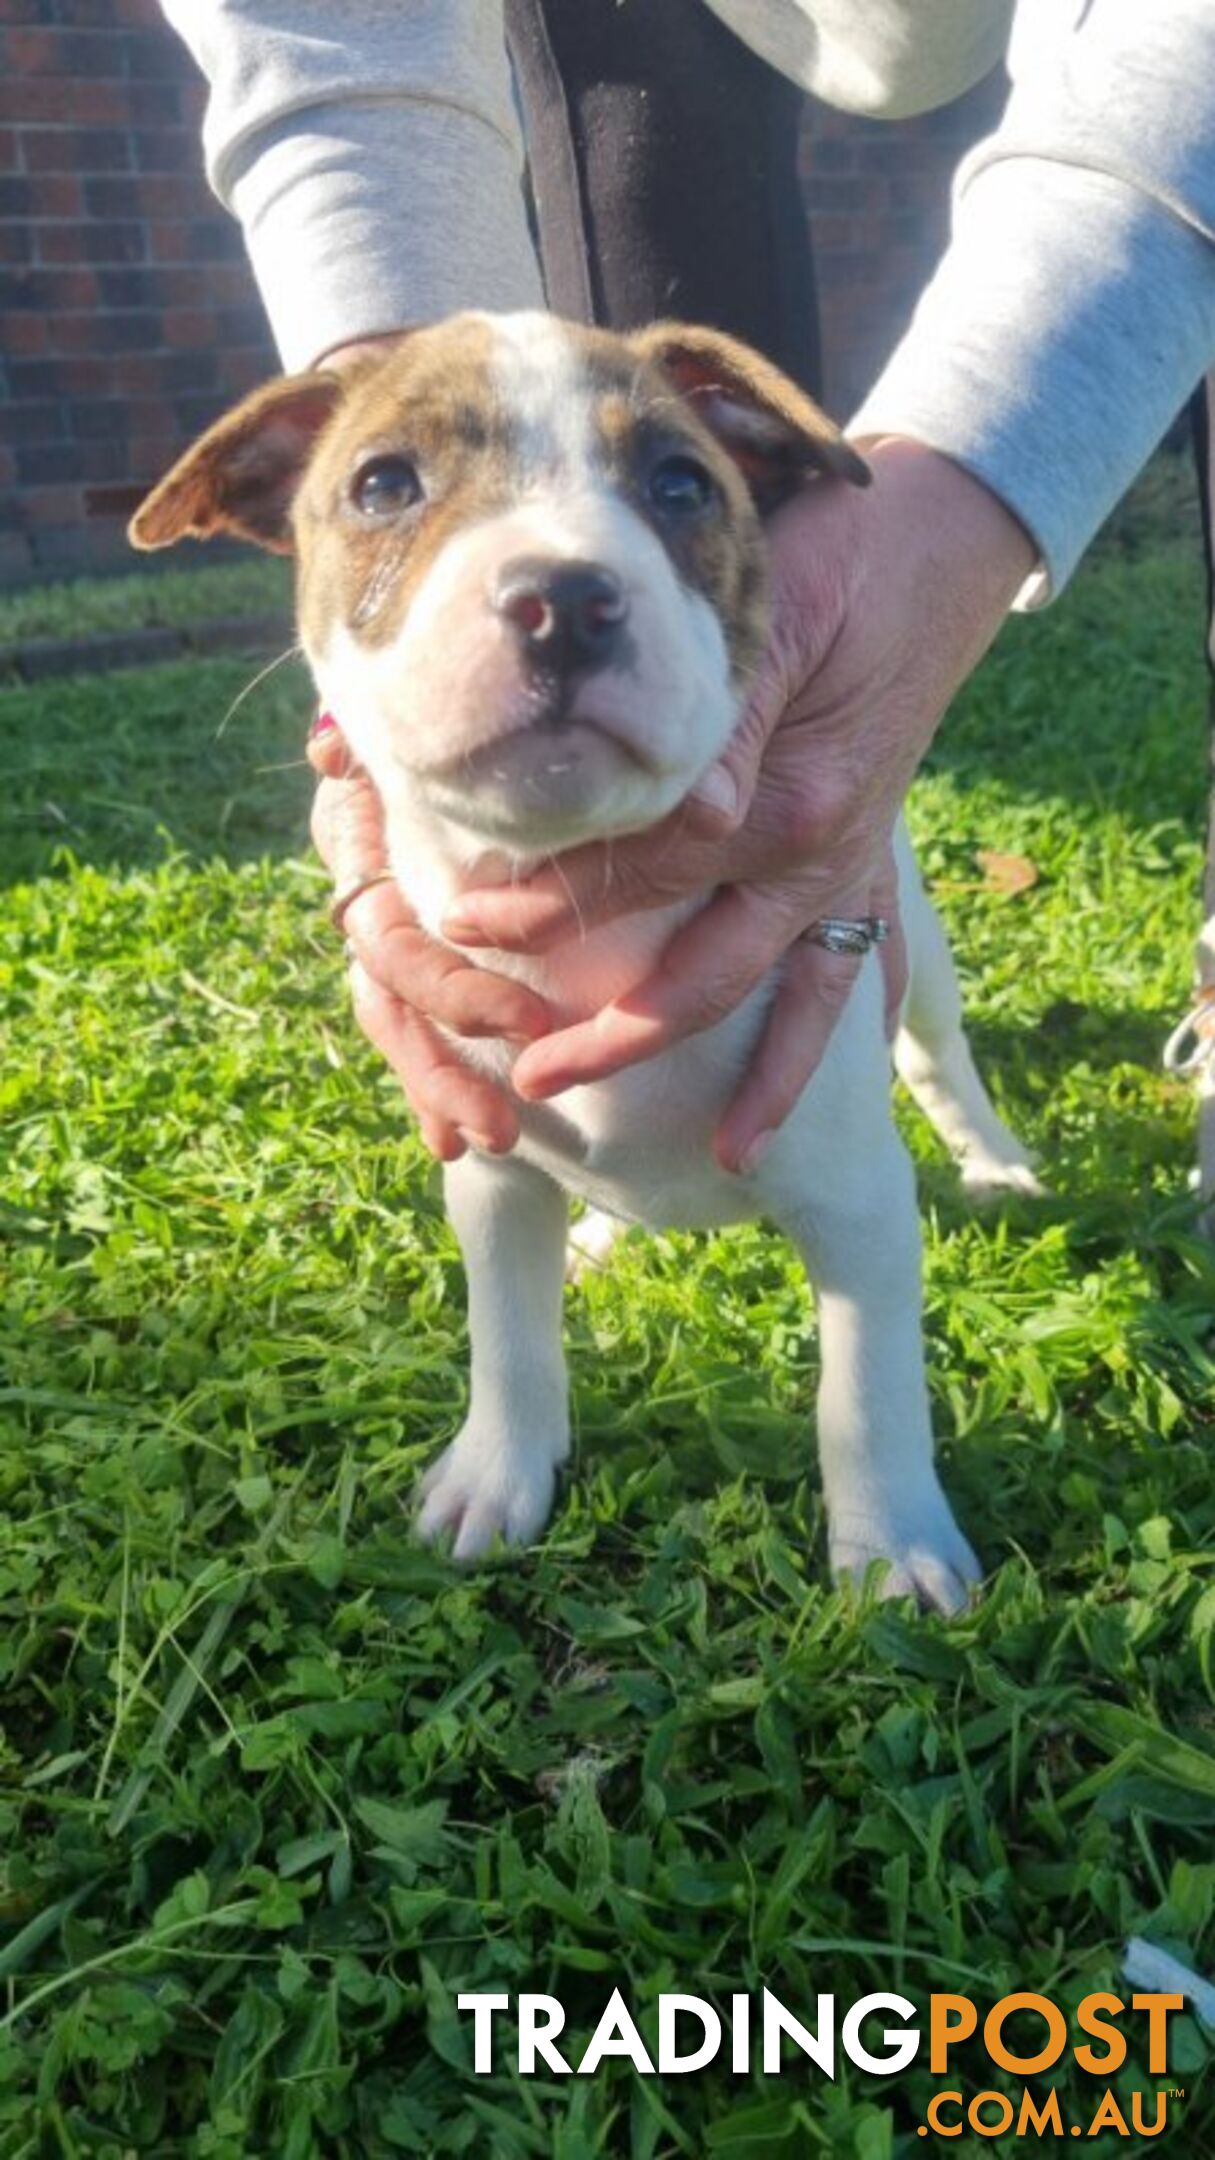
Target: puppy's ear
x: 241, y: 475
x: 775, y: 433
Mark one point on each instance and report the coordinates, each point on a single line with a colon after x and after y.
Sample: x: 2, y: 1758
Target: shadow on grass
x: 125, y: 769
x: 1039, y: 1075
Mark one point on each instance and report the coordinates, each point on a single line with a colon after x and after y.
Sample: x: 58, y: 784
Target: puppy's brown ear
x: 775, y: 433
x: 241, y: 475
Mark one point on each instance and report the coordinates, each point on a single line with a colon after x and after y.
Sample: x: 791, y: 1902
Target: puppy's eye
x: 680, y: 485
x: 385, y: 486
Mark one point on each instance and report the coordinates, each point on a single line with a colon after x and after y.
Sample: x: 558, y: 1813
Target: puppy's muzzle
x: 568, y: 617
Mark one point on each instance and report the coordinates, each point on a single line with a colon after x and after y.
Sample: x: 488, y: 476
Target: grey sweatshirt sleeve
x: 371, y: 151
x: 1074, y: 309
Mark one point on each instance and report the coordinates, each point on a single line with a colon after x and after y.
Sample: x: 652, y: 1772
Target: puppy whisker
x: 293, y: 652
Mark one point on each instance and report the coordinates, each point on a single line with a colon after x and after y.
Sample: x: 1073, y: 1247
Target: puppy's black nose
x: 567, y: 615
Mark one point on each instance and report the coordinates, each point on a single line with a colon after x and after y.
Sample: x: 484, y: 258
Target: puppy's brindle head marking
x: 531, y: 576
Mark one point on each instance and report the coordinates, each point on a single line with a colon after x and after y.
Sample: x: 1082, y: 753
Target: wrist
x: 966, y: 532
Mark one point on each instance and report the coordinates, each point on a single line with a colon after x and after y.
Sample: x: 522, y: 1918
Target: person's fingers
x: 448, y: 989
x: 453, y: 1103
x: 348, y: 828
x: 706, y: 970
x: 327, y: 750
x: 591, y: 885
x: 814, y: 988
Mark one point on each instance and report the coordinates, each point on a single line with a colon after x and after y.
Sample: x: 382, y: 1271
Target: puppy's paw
x: 477, y: 1493
x: 928, y: 1557
x: 986, y: 1177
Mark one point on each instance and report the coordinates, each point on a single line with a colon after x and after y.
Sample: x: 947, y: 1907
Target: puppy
x: 531, y: 587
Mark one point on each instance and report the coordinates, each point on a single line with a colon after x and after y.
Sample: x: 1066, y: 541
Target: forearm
x: 1075, y: 307
x: 372, y: 154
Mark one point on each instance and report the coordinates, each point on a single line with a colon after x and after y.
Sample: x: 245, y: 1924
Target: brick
x: 67, y: 149
x: 226, y: 284
x: 48, y: 98
x: 138, y: 195
x: 88, y: 12
x: 19, y: 12
x: 195, y: 411
x: 215, y: 239
x: 241, y: 325
x: 169, y: 242
x: 152, y: 285
x: 241, y: 371
x: 96, y: 240
x: 57, y: 195
x: 8, y: 149
x: 190, y: 327
x: 29, y: 421
x: 58, y: 50
x: 38, y: 462
x: 16, y: 244
x: 130, y: 330
x: 133, y: 285
x: 52, y: 377
x: 55, y: 504
x: 165, y: 150
x: 16, y: 196
x: 151, y: 54
x: 152, y: 455
x: 54, y: 289
x: 21, y: 333
x: 157, y: 104
x: 99, y: 416
x: 166, y: 372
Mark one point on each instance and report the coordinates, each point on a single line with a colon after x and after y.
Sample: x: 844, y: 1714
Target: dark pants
x: 663, y: 159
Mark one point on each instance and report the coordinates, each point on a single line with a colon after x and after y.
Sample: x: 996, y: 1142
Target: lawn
x: 276, y: 1784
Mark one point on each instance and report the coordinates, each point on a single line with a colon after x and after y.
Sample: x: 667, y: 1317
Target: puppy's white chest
x: 639, y: 1145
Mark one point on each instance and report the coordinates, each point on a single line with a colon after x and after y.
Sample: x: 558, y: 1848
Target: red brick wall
x: 127, y: 315
x: 878, y: 196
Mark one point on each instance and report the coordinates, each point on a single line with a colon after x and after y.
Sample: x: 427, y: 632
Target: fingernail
x: 751, y: 1158
x: 461, y: 929
x: 717, y: 791
x: 322, y: 725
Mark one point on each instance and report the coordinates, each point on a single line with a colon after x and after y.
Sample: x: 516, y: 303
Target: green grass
x: 276, y: 1784
x: 258, y: 585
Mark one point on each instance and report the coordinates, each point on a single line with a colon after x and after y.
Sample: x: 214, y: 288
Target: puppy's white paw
x: 929, y: 1559
x: 590, y: 1243
x: 985, y: 1177
x: 478, y: 1492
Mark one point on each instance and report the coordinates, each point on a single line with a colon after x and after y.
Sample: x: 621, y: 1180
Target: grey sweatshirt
x: 372, y: 153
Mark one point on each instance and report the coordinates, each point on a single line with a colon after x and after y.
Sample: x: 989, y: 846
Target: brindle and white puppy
x: 531, y: 585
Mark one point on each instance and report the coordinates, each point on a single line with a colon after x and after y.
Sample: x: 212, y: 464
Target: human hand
x: 882, y: 603
x: 407, y: 987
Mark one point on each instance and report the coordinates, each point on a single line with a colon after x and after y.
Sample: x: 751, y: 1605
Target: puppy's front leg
x: 497, y: 1477
x: 884, y: 1499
